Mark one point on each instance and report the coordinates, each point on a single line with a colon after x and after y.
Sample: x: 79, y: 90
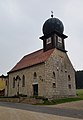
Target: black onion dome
x: 51, y: 25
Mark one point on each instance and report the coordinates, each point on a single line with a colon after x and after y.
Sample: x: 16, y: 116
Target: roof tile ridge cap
x: 32, y: 53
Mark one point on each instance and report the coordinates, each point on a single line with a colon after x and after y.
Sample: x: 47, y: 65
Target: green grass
x: 59, y: 101
x: 79, y: 93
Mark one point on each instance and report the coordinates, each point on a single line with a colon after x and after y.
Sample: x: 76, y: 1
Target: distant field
x: 79, y: 92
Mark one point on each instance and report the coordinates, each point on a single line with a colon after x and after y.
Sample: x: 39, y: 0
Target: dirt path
x: 73, y: 105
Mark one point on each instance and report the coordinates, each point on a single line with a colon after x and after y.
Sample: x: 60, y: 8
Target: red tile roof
x: 32, y: 59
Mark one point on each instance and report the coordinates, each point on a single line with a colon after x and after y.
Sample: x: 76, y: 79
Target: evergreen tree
x: 79, y: 79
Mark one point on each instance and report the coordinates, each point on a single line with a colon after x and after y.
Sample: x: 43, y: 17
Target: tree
x: 79, y: 79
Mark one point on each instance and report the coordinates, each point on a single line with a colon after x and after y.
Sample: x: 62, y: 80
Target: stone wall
x: 22, y: 100
x: 29, y: 81
x: 58, y: 85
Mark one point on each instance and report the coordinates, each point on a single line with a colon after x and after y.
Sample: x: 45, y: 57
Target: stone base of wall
x: 9, y: 100
x: 22, y: 100
x: 28, y: 100
x: 61, y: 97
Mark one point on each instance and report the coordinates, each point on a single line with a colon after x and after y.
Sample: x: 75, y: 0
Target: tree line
x: 79, y: 79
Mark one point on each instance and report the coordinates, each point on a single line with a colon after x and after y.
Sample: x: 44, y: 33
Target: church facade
x: 47, y: 72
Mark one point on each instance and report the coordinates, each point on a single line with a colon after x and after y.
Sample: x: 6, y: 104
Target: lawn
x: 79, y: 92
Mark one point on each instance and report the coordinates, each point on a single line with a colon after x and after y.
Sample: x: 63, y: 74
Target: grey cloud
x: 21, y: 26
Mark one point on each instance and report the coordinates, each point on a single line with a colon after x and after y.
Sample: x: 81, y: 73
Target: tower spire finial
x: 52, y: 14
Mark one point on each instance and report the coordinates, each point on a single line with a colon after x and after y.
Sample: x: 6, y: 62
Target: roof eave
x: 24, y: 68
x: 55, y: 32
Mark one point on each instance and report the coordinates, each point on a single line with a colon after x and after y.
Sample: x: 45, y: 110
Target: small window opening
x: 35, y: 74
x: 14, y: 82
x: 54, y: 85
x: 6, y: 82
x: 69, y: 86
x: 23, y: 81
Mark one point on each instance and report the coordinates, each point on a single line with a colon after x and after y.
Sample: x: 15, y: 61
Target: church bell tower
x: 53, y: 34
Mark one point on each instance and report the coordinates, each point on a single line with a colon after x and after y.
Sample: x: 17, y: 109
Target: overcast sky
x: 21, y: 24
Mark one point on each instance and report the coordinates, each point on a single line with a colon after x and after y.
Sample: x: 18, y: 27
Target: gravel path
x: 16, y: 114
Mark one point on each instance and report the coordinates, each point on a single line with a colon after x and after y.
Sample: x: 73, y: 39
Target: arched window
x: 69, y: 78
x: 53, y: 74
x: 35, y: 74
x: 23, y: 81
x: 14, y: 82
x: 6, y: 82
